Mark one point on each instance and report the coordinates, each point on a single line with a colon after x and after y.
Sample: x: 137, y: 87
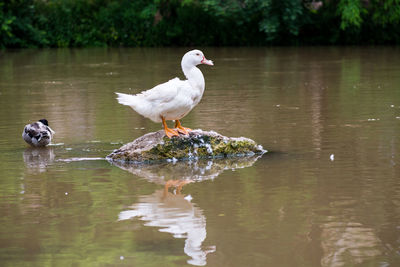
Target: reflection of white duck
x: 174, y: 214
x: 174, y: 99
x: 38, y: 133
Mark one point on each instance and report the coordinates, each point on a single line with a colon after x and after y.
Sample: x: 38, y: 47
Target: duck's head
x: 194, y: 58
x: 44, y: 121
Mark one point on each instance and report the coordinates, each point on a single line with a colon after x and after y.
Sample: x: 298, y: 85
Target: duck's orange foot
x: 170, y: 132
x: 181, y: 129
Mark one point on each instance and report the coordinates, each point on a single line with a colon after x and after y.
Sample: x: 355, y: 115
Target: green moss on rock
x: 198, y: 144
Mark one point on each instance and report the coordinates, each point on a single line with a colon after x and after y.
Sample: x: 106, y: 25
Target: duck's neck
x: 194, y: 76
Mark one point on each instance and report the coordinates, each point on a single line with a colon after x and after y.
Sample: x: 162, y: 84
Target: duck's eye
x: 197, y: 54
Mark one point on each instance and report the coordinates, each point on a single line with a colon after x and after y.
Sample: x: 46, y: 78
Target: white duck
x: 174, y: 99
x: 38, y: 133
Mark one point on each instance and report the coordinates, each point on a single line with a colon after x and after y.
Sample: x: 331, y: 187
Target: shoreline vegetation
x: 141, y: 23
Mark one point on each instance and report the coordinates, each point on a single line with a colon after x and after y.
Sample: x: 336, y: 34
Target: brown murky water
x: 328, y: 193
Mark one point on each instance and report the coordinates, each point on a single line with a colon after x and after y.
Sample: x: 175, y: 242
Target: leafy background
x: 85, y: 23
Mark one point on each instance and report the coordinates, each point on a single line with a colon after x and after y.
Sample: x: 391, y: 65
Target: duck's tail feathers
x: 125, y: 99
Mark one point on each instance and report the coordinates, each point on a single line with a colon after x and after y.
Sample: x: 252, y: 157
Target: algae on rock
x: 198, y: 144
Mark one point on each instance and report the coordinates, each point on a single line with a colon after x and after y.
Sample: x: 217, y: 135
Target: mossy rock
x: 198, y: 144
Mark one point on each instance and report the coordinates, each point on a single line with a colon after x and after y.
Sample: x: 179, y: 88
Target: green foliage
x: 6, y: 20
x: 350, y: 12
x: 81, y: 23
x: 18, y: 29
x: 386, y: 12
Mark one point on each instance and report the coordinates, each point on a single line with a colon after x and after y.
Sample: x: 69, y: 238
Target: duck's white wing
x: 160, y: 100
x: 164, y: 92
x: 171, y: 100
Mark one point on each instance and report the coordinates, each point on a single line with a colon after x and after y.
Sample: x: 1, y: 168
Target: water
x: 328, y: 193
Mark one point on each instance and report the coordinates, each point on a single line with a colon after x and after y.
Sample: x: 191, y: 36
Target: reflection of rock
x: 197, y: 171
x: 348, y: 243
x: 198, y: 144
x: 174, y: 214
x: 37, y: 158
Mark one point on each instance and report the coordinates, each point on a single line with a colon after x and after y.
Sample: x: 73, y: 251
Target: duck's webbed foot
x: 168, y: 131
x: 181, y: 129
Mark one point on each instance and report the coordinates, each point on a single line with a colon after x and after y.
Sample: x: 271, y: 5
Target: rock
x: 198, y: 144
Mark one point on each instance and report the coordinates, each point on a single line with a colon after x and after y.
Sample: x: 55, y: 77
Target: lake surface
x: 326, y: 194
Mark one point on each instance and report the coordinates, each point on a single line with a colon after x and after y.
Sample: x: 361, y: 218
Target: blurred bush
x: 82, y: 23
